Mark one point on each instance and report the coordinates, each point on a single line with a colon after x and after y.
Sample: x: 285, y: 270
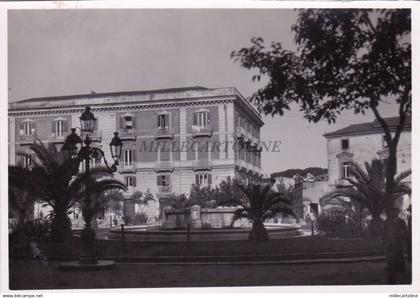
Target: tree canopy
x: 346, y: 59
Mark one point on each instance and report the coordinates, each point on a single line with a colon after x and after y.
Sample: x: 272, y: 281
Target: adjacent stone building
x: 172, y: 138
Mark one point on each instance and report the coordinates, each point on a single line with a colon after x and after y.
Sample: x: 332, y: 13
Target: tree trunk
x: 61, y: 236
x: 376, y: 227
x: 391, y: 169
x: 258, y: 232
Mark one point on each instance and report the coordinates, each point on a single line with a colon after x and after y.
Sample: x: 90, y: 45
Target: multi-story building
x: 172, y: 138
x: 361, y: 143
x: 358, y: 143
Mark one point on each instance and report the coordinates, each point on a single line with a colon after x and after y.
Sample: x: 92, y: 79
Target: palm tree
x: 142, y: 199
x: 259, y: 204
x: 58, y: 183
x: 368, y: 190
x: 289, y: 193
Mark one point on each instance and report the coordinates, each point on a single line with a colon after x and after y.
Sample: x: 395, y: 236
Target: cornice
x: 117, y: 107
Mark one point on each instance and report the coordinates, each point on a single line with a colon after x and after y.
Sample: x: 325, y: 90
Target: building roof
x: 98, y: 95
x: 135, y: 98
x: 368, y: 127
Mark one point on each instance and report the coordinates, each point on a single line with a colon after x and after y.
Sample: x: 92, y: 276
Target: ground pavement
x: 29, y: 274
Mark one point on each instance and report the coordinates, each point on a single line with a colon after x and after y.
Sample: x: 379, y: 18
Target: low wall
x: 200, y: 218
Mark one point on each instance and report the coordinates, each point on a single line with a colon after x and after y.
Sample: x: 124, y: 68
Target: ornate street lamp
x: 116, y: 148
x: 85, y: 153
x: 87, y: 121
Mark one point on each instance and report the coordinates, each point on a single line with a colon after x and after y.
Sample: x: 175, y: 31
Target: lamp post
x: 82, y: 151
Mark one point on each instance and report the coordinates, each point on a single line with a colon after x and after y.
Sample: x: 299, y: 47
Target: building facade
x: 361, y: 143
x: 358, y: 143
x: 172, y: 138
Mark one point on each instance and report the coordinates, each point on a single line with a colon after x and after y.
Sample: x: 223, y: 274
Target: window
x: 238, y: 120
x: 345, y: 170
x: 128, y: 157
x: 345, y: 144
x: 163, y: 121
x: 201, y: 118
x: 163, y: 180
x: 28, y: 128
x: 27, y: 161
x: 128, y: 122
x: 130, y: 181
x: 203, y: 179
x: 58, y: 128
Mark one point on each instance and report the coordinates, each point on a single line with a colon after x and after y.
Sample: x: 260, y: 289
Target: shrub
x: 341, y: 224
x: 31, y: 228
x: 127, y: 220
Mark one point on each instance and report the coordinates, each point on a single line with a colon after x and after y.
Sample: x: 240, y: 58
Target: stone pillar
x: 195, y: 217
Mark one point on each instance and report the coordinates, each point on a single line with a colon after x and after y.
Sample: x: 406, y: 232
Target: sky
x: 63, y: 52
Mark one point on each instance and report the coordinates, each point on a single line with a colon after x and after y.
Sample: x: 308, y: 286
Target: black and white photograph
x: 225, y: 147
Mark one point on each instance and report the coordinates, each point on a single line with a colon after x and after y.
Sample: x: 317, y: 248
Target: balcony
x: 95, y: 136
x: 27, y: 139
x: 127, y: 167
x: 127, y: 133
x: 342, y: 182
x: 164, y: 166
x: 202, y: 165
x: 58, y: 137
x: 241, y: 132
x: 164, y: 133
x: 165, y: 189
x: 202, y: 131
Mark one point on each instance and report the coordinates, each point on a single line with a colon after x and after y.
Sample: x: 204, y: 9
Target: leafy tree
x: 260, y: 204
x: 368, y: 191
x: 290, y: 173
x: 350, y: 59
x: 177, y: 201
x: 112, y: 199
x: 203, y: 196
x: 142, y: 199
x: 228, y: 193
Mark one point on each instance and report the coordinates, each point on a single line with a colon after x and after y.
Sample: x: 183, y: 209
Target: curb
x: 290, y: 262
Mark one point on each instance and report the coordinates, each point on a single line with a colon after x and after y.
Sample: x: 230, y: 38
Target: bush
x: 127, y: 220
x: 341, y: 224
x: 141, y: 219
x: 31, y: 228
x: 21, y: 237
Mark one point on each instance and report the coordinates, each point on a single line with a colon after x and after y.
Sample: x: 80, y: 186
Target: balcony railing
x: 164, y: 166
x: 202, y: 165
x: 95, y: 136
x: 125, y: 167
x: 27, y: 138
x: 164, y: 133
x: 165, y: 188
x: 58, y: 137
x: 202, y: 131
x: 241, y: 132
x: 127, y: 133
x: 342, y: 182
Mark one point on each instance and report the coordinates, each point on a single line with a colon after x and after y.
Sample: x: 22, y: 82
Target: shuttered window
x: 27, y: 128
x: 128, y: 157
x: 163, y: 121
x: 59, y: 127
x: 203, y: 179
x: 163, y: 180
x: 131, y: 181
x: 201, y: 119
